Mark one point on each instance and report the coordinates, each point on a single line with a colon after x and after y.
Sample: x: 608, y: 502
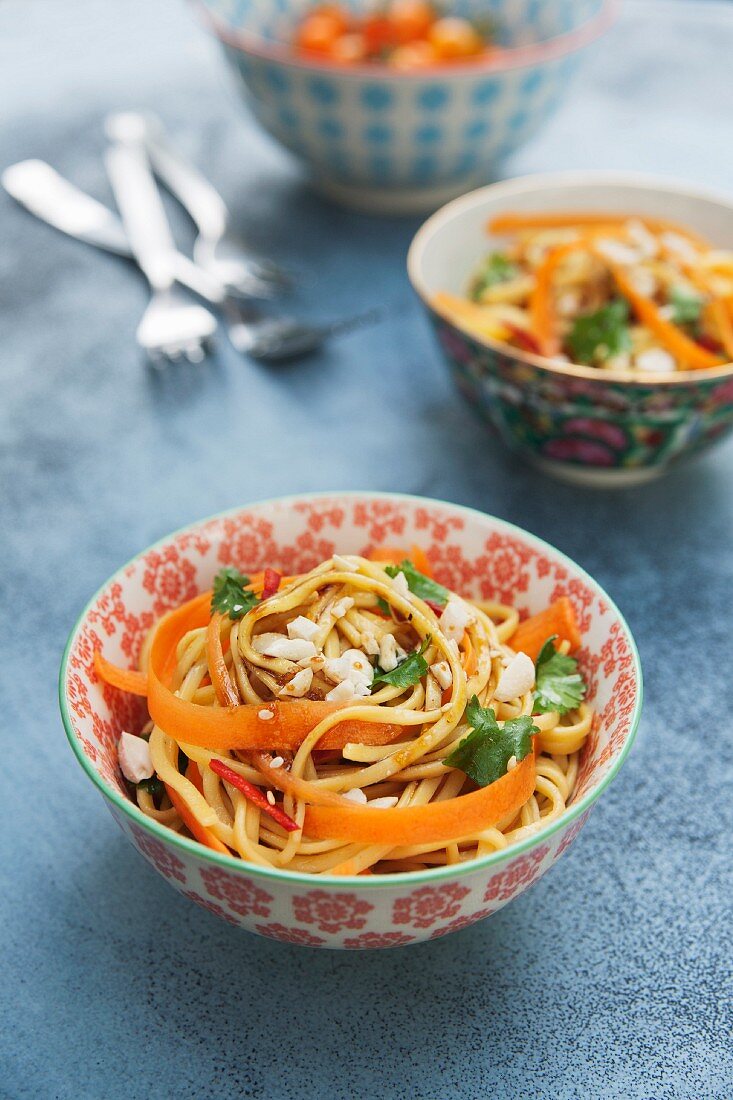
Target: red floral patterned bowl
x: 604, y: 428
x: 473, y: 553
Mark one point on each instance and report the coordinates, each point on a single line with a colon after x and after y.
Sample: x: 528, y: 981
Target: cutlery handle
x: 142, y: 211
x: 194, y: 192
x: 41, y: 190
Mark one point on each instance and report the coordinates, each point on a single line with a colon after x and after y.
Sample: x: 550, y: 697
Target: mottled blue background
x: 611, y: 977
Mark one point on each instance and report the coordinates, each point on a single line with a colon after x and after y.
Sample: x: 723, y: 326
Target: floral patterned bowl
x: 397, y: 142
x: 607, y: 428
x: 473, y: 553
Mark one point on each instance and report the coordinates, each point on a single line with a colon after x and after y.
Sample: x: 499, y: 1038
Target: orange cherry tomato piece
x: 319, y: 30
x: 379, y: 35
x: 349, y: 48
x: 413, y: 55
x: 455, y: 38
x: 339, y: 15
x: 411, y: 19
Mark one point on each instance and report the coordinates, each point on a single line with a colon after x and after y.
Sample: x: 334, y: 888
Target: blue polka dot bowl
x: 395, y: 142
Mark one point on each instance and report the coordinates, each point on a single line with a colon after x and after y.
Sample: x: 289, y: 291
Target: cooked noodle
x: 345, y: 600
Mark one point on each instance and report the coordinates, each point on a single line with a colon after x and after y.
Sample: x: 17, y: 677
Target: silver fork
x: 216, y: 249
x: 58, y: 202
x: 172, y: 326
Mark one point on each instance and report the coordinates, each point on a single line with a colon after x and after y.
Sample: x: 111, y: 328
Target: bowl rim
x: 506, y: 189
x: 398, y: 878
x: 518, y: 57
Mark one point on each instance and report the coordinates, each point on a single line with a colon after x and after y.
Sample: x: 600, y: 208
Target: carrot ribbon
x: 434, y: 823
x: 558, y: 618
x: 274, y: 724
x: 126, y: 679
x: 194, y: 826
x: 518, y: 221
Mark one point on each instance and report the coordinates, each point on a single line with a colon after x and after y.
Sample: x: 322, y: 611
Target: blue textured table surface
x: 610, y: 978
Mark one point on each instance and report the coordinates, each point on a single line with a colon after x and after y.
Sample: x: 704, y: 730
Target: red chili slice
x: 271, y: 583
x: 254, y: 794
x: 525, y: 339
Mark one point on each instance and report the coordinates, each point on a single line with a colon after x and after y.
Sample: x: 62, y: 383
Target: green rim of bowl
x: 439, y: 874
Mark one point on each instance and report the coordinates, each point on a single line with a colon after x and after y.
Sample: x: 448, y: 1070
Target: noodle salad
x: 612, y: 291
x: 359, y: 718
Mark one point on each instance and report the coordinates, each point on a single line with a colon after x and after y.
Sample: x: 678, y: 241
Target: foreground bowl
x: 398, y: 142
x: 608, y: 428
x: 474, y: 554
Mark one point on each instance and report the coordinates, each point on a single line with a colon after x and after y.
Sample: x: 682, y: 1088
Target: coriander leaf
x: 497, y: 268
x: 153, y: 785
x: 407, y: 672
x: 383, y: 606
x: 489, y: 747
x: 600, y: 335
x: 420, y: 585
x: 686, y: 307
x: 230, y: 597
x: 559, y: 685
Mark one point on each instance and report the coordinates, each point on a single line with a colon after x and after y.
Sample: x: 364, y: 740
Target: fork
x: 58, y: 202
x: 172, y: 326
x: 216, y: 249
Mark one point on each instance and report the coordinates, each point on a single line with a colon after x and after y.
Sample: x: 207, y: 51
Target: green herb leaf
x: 489, y: 747
x: 686, y: 307
x: 407, y: 672
x: 598, y: 336
x: 230, y: 597
x: 559, y: 685
x: 497, y: 268
x: 420, y: 585
x: 383, y: 606
x: 153, y: 786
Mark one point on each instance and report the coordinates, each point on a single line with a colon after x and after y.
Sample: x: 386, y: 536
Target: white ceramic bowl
x: 602, y: 428
x: 397, y: 142
x: 474, y: 554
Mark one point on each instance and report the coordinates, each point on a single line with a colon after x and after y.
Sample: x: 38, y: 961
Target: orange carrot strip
x: 516, y: 221
x: 541, y: 305
x: 717, y: 310
x: 681, y: 346
x: 240, y: 727
x: 218, y: 671
x: 126, y: 679
x: 436, y: 822
x: 392, y: 555
x: 558, y: 618
x: 193, y: 775
x: 723, y: 321
x: 194, y: 826
x: 421, y: 561
x: 348, y: 867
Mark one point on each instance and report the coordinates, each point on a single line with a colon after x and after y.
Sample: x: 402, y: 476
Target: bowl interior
x: 517, y: 23
x: 453, y: 241
x: 473, y: 553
